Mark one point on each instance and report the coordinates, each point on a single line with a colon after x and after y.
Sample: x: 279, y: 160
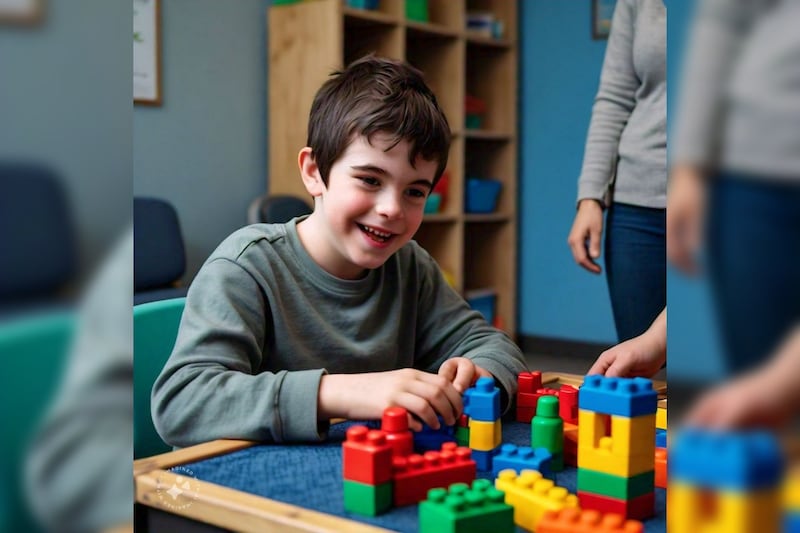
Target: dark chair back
x: 277, y: 209
x: 159, y: 257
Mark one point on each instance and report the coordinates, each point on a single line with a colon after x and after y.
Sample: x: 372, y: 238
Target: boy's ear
x: 309, y: 171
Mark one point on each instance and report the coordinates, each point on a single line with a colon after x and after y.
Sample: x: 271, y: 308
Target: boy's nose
x: 389, y: 206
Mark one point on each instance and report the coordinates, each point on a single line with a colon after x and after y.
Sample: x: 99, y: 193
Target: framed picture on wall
x: 602, y: 13
x: 21, y: 12
x: 147, y: 52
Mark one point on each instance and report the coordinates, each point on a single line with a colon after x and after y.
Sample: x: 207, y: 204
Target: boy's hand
x: 365, y: 396
x: 462, y: 373
x: 640, y: 356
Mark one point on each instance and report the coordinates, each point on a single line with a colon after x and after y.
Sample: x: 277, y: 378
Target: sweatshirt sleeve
x: 212, y: 386
x: 448, y: 328
x: 613, y: 105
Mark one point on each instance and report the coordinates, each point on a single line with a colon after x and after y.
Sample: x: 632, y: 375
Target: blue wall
x: 204, y: 149
x: 559, y: 73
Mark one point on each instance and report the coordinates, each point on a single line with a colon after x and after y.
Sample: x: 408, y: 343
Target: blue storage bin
x: 363, y: 4
x: 484, y: 302
x: 482, y: 195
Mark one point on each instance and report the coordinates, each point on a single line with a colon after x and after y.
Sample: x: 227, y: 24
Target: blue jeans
x: 753, y: 235
x: 636, y: 254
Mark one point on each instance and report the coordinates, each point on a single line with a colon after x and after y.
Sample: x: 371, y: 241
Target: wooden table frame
x: 221, y: 506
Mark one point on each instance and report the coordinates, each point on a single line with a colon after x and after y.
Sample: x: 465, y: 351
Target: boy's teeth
x: 376, y: 232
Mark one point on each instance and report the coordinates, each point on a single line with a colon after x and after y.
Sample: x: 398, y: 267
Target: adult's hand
x: 584, y: 238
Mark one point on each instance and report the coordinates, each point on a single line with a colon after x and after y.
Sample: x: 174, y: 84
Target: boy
x: 337, y: 314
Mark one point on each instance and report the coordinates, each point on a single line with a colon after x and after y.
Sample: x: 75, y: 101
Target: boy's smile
x: 373, y: 204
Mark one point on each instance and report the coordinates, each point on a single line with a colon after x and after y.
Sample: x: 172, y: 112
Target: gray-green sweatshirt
x: 263, y: 322
x: 628, y: 132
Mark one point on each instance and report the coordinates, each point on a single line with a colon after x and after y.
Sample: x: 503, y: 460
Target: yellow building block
x: 629, y: 436
x: 661, y: 418
x: 601, y: 459
x: 791, y: 490
x: 531, y: 495
x: 485, y: 436
x: 691, y: 510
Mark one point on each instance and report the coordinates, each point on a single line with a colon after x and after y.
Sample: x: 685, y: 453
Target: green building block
x: 461, y: 509
x: 622, y: 488
x: 369, y: 500
x: 547, y: 431
x: 462, y: 436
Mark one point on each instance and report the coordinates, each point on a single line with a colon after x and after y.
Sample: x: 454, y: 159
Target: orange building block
x: 661, y: 468
x: 573, y: 520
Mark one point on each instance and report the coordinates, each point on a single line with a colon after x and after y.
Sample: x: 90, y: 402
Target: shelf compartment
x: 442, y: 241
x: 388, y: 11
x: 490, y: 71
x: 380, y: 39
x: 494, y: 160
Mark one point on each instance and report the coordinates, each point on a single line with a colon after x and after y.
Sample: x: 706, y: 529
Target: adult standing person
x: 625, y: 169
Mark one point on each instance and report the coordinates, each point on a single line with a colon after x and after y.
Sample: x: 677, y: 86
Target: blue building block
x: 791, y: 522
x: 661, y: 438
x: 482, y: 401
x: 519, y: 458
x: 483, y: 460
x: 627, y: 397
x: 741, y: 461
x: 432, y: 439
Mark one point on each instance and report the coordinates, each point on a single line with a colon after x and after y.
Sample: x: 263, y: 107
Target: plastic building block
x: 568, y: 404
x: 570, y: 444
x: 692, y: 509
x: 791, y: 490
x: 618, y: 396
x: 366, y: 457
x: 518, y: 458
x: 573, y: 520
x: 484, y: 459
x: 547, y: 431
x: 740, y: 461
x: 415, y: 475
x: 661, y: 438
x: 482, y: 401
x: 428, y: 439
x: 629, y: 436
x: 369, y: 500
x: 529, y: 382
x: 485, y: 436
x: 661, y: 418
x: 638, y: 508
x: 601, y: 459
x: 465, y: 509
x: 622, y: 488
x: 462, y: 436
x: 463, y: 421
x: 661, y: 468
x: 395, y: 424
x: 791, y: 522
x: 532, y: 495
x: 525, y: 414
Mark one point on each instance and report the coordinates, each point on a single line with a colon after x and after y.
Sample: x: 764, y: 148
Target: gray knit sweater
x: 263, y: 322
x: 628, y: 133
x: 739, y: 106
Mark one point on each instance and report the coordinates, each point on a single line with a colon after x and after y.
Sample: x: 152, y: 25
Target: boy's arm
x: 212, y: 386
x: 448, y: 328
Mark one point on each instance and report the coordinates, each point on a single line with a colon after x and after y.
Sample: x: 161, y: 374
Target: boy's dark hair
x: 376, y: 94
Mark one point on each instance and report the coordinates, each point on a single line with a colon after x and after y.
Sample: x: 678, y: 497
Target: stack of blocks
x: 532, y: 495
x: 571, y: 520
x: 661, y: 445
x: 461, y: 509
x: 616, y: 446
x: 482, y: 405
x: 367, y: 471
x: 791, y: 503
x: 724, y: 482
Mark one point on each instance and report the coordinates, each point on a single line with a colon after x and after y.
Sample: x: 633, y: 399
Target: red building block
x: 568, y: 404
x: 570, y: 444
x: 638, y: 508
x: 463, y: 421
x: 661, y: 468
x: 395, y: 424
x: 415, y: 475
x: 366, y: 457
x: 571, y: 520
x: 529, y: 382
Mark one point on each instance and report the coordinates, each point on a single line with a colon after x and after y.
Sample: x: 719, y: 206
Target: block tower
x: 482, y: 405
x: 616, y: 446
x: 724, y: 482
x: 367, y: 471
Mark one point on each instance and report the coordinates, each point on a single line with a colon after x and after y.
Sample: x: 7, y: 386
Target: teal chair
x: 33, y: 351
x: 155, y: 328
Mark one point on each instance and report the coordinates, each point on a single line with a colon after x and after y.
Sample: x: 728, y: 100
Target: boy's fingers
x: 421, y: 408
x: 441, y: 395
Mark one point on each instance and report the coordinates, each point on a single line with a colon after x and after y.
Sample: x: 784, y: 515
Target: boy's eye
x: 369, y: 180
x: 416, y: 193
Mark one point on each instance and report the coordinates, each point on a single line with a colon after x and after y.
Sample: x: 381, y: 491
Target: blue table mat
x: 310, y: 476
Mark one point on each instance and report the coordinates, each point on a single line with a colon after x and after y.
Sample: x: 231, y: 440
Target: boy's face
x: 372, y: 206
